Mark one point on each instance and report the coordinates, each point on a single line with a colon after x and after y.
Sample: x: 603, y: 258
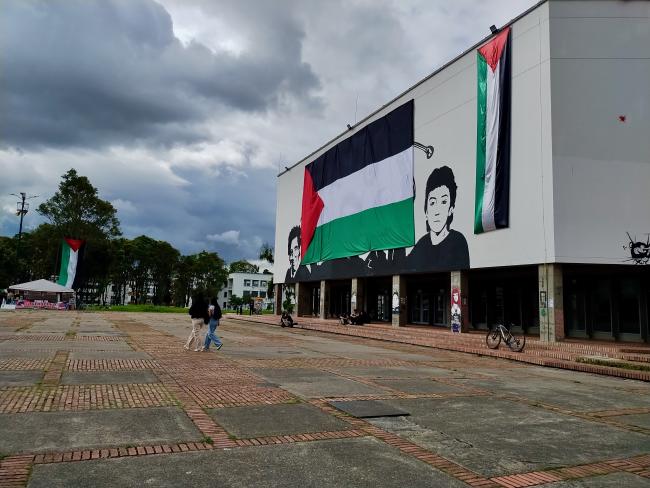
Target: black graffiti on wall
x: 639, y: 250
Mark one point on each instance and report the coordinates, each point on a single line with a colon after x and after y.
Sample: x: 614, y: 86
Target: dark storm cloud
x: 80, y: 73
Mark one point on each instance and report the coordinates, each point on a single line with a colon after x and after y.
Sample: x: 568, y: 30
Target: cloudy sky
x: 181, y: 111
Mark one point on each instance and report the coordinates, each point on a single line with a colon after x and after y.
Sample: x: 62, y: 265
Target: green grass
x: 614, y: 364
x: 207, y: 440
x: 138, y: 308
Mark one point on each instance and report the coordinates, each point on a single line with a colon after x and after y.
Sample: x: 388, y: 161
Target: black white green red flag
x: 493, y: 134
x: 358, y: 195
x: 71, y: 257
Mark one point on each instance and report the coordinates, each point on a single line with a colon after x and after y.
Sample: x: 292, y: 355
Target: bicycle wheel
x: 517, y: 343
x: 493, y: 338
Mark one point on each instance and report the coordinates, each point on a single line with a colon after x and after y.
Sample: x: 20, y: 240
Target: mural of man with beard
x: 296, y: 271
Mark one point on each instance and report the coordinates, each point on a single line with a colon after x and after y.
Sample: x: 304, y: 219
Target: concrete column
x: 299, y: 292
x: 324, y: 299
x: 460, y: 285
x: 398, y: 301
x: 278, y: 298
x: 551, y: 303
x: 357, y: 296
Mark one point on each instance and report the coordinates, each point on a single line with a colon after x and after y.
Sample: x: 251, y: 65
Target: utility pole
x: 22, y: 207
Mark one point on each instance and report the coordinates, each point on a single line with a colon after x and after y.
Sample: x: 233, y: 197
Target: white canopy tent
x: 43, y: 286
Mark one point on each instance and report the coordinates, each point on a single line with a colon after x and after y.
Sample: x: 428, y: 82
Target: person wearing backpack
x: 211, y: 336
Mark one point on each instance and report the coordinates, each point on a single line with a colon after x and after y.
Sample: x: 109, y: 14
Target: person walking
x: 199, y: 315
x: 211, y: 336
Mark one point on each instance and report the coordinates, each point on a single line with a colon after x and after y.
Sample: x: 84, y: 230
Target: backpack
x: 216, y: 314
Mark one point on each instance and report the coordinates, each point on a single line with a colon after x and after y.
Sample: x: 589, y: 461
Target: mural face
x: 296, y: 271
x: 441, y: 248
x: 438, y: 209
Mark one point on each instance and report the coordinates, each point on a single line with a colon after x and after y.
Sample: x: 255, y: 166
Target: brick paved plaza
x: 112, y: 399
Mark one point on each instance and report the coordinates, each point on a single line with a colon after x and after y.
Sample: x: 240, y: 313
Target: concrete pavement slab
x: 331, y: 387
x: 564, y: 393
x: 48, y: 431
x: 312, y: 383
x: 612, y: 480
x: 401, y: 372
x: 419, y: 386
x: 20, y: 378
x: 20, y: 354
x: 495, y: 437
x: 640, y: 420
x: 285, y: 375
x: 359, y: 463
x: 107, y: 377
x: 273, y: 420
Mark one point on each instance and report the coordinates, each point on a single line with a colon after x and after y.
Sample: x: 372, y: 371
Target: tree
x: 210, y: 273
x: 266, y: 252
x: 183, y: 280
x: 243, y: 266
x: 8, y: 264
x: 235, y: 302
x: 40, y: 253
x: 287, y: 304
x: 75, y: 210
x: 204, y: 272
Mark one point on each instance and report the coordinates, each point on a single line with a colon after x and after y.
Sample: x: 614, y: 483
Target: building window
x: 224, y: 305
x: 229, y: 282
x: 256, y: 283
x: 247, y: 282
x: 247, y: 293
x: 253, y: 293
x: 263, y: 294
x: 262, y: 283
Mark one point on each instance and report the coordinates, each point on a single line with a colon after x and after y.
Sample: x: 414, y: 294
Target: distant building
x: 246, y: 286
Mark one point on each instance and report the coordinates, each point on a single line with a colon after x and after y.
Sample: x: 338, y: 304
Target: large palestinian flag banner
x: 358, y: 196
x: 493, y: 134
x: 71, y: 257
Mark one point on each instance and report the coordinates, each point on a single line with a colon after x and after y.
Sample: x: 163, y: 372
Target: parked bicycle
x: 500, y: 332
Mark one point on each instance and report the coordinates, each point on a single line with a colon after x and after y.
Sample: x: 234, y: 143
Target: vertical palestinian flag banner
x: 71, y: 251
x: 493, y: 134
x: 358, y: 196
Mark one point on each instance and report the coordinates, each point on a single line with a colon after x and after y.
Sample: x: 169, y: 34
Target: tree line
x: 151, y: 270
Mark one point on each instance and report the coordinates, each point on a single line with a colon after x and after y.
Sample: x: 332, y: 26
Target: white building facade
x: 574, y: 257
x: 249, y: 286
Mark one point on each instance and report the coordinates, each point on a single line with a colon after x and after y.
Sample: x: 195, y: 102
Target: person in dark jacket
x: 215, y: 315
x: 199, y: 315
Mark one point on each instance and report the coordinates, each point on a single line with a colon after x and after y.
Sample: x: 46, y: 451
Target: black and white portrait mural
x: 296, y: 271
x: 441, y: 247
